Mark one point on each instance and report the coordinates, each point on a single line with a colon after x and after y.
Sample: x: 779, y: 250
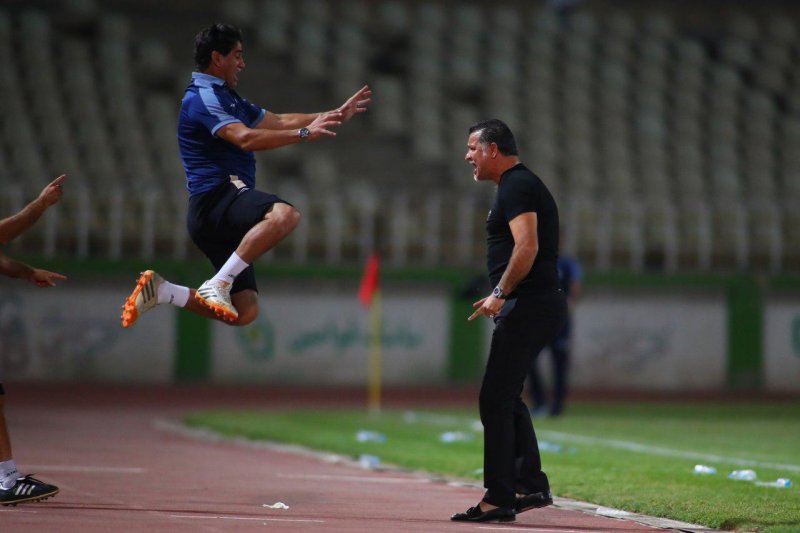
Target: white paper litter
x: 277, y: 505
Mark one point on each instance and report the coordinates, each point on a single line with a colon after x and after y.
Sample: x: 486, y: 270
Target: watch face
x: 497, y: 293
x: 304, y: 133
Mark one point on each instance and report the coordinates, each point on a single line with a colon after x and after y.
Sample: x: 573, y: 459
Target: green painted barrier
x: 745, y: 333
x: 192, y: 348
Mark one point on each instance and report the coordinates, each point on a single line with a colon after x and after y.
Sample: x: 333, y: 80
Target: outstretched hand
x: 321, y: 125
x: 44, y: 278
x: 356, y: 104
x: 53, y: 192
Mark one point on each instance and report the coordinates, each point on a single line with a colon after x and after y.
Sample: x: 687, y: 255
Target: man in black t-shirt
x: 528, y: 309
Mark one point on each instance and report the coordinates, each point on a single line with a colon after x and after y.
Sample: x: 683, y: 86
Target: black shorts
x: 220, y: 218
x: 2, y: 390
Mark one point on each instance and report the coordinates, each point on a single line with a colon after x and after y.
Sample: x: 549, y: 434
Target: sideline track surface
x: 119, y: 470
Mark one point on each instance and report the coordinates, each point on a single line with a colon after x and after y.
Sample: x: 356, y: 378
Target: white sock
x: 8, y: 474
x: 169, y: 293
x: 232, y: 268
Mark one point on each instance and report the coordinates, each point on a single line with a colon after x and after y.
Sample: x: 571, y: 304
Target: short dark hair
x: 218, y: 37
x: 496, y: 131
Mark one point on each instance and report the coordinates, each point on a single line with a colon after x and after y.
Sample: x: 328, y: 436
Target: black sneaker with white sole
x: 27, y: 489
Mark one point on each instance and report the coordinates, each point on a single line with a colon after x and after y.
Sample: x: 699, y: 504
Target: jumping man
x: 229, y: 220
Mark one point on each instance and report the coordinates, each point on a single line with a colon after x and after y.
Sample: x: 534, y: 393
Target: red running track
x: 119, y: 469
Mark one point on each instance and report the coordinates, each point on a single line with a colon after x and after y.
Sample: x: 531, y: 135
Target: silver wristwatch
x: 498, y: 293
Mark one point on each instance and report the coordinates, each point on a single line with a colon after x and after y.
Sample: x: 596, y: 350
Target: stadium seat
x: 766, y: 233
x: 430, y: 15
x: 781, y: 29
x: 391, y: 115
x: 241, y: 13
x: 695, y: 242
x: 643, y: 107
x: 350, y: 58
x: 660, y: 226
x: 743, y: 26
x: 272, y: 27
x: 363, y: 203
x: 299, y: 242
x: 311, y: 51
x: 790, y: 233
x: 738, y: 53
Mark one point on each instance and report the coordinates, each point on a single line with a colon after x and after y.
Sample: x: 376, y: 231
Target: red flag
x: 369, y: 282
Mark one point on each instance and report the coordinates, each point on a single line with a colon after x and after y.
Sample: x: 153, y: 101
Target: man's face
x: 231, y: 64
x: 478, y: 156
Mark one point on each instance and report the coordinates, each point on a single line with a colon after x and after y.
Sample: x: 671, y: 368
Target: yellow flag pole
x: 375, y: 354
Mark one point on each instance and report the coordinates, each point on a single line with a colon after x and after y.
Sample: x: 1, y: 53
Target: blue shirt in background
x: 569, y: 271
x: 209, y: 104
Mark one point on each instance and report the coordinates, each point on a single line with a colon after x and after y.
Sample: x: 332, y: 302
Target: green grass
x: 599, y: 471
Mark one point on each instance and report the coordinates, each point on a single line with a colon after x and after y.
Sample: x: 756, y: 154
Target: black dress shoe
x: 474, y: 514
x: 534, y: 500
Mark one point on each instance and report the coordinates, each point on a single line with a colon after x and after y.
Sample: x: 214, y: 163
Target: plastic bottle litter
x: 277, y: 505
x: 545, y: 446
x: 781, y: 482
x: 370, y: 436
x: 455, y: 436
x: 410, y: 417
x: 746, y: 475
x: 703, y: 469
x: 611, y: 512
x: 367, y: 461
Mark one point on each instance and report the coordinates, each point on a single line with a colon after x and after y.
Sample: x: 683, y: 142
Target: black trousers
x: 511, y: 462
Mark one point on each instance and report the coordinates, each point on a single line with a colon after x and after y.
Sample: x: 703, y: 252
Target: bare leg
x: 5, y: 440
x: 279, y: 222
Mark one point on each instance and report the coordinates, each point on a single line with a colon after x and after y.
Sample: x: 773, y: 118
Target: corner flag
x: 369, y: 281
x: 370, y: 296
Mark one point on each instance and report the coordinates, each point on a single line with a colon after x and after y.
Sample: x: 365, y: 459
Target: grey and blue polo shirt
x: 209, y: 104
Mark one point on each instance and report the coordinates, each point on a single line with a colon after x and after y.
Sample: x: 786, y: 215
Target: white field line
x: 665, y: 452
x: 436, y: 419
x: 250, y: 518
x: 538, y: 529
x: 356, y: 479
x: 90, y: 469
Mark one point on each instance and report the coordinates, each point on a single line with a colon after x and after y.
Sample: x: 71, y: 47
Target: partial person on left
x: 14, y: 487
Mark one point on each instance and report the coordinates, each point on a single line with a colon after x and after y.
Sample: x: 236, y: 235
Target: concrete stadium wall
x: 650, y: 333
x: 782, y: 342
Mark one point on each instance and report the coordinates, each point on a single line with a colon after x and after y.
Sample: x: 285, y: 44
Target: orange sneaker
x: 216, y: 295
x: 143, y: 298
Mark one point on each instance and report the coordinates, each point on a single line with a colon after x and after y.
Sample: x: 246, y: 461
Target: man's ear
x: 215, y: 57
x: 493, y: 150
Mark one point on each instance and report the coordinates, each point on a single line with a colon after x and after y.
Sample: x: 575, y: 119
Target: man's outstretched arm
x: 292, y: 121
x: 15, y: 225
x: 277, y: 130
x: 255, y: 139
x: 17, y: 269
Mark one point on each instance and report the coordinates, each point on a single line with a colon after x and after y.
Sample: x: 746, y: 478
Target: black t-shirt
x: 521, y: 191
